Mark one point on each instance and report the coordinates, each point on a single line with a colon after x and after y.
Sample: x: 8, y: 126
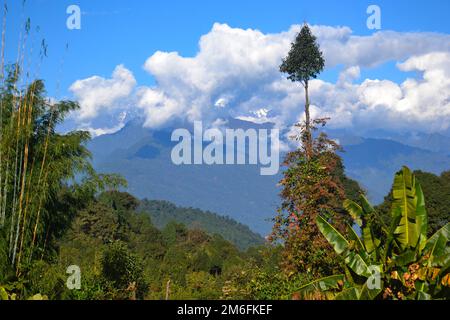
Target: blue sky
x: 127, y: 32
x: 117, y: 32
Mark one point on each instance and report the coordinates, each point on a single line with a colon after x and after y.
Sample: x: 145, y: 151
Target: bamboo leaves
x: 36, y: 163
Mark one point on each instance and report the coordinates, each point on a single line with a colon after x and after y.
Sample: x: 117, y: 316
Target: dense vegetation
x: 58, y: 217
x: 122, y: 255
x: 163, y: 212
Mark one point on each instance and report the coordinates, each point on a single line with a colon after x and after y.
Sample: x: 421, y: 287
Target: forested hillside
x: 164, y: 212
x: 122, y: 255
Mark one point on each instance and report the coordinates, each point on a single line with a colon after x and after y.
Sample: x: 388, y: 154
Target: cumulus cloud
x: 422, y: 103
x: 235, y: 74
x: 340, y: 46
x: 95, y: 94
x: 95, y: 132
x: 231, y: 63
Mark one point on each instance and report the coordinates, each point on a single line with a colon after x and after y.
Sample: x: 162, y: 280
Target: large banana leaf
x: 441, y: 253
x: 404, y: 259
x: 358, y: 293
x: 323, y: 284
x: 365, y: 204
x: 368, y: 210
x: 405, y: 197
x: 391, y: 241
x: 444, y: 232
x: 423, y: 296
x: 355, y: 211
x: 369, y: 294
x: 421, y: 217
x: 348, y: 294
x: 358, y: 213
x: 368, y: 238
x: 352, y: 236
x: 436, y: 247
x: 342, y: 246
x: 357, y: 264
x: 339, y: 243
x: 3, y: 294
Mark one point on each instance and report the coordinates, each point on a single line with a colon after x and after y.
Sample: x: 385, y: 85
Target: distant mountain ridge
x: 435, y: 142
x: 374, y: 162
x: 142, y: 156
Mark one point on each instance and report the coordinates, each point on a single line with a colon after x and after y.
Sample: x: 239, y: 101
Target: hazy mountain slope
x: 428, y: 141
x: 374, y: 161
x: 142, y: 156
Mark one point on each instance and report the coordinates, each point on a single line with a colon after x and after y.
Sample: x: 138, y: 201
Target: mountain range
x: 143, y: 157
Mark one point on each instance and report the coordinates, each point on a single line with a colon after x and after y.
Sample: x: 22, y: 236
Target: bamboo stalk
x: 30, y: 103
x: 24, y: 155
x: 23, y: 189
x: 2, y: 75
x: 44, y: 158
x: 13, y: 112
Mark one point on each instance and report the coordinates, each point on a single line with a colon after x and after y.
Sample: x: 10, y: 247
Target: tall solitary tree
x: 303, y: 63
x: 314, y: 182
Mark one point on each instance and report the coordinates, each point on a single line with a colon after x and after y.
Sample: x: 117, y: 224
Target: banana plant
x: 5, y: 295
x: 402, y: 264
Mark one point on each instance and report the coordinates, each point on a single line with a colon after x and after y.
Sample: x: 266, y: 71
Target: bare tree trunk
x: 168, y: 289
x: 132, y: 289
x: 308, y: 142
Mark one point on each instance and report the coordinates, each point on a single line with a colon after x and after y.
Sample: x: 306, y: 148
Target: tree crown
x: 304, y: 60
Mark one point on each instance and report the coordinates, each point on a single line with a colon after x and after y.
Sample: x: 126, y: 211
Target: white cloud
x: 235, y: 73
x: 222, y: 102
x: 340, y: 46
x: 416, y: 103
x: 95, y: 94
x: 258, y: 116
x: 376, y: 93
x: 95, y: 132
x: 349, y: 74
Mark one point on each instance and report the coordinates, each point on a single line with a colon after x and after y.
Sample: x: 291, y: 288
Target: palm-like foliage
x: 36, y: 163
x: 403, y: 264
